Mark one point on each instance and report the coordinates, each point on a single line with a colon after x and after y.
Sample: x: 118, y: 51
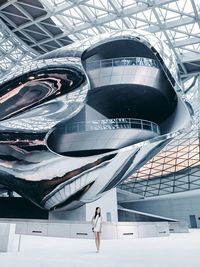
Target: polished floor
x: 176, y: 250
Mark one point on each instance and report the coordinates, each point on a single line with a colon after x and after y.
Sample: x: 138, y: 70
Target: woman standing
x: 97, y: 224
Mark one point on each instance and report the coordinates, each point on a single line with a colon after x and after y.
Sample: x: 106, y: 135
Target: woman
x: 97, y: 224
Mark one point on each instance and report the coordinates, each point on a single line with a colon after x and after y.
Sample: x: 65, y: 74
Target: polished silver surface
x: 66, y: 100
x: 111, y: 124
x: 65, y: 139
x: 125, y: 74
x: 123, y: 61
x: 100, y: 136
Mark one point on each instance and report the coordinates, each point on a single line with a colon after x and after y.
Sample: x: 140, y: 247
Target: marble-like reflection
x: 36, y: 88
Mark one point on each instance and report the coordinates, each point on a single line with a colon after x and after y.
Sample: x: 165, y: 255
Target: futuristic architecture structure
x: 79, y: 120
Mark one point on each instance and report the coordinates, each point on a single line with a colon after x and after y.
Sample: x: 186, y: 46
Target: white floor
x: 176, y: 250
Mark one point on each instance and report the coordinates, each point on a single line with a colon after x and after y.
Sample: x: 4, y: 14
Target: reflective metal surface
x: 65, y: 139
x: 111, y: 124
x: 124, y: 61
x: 87, y: 138
x: 66, y: 88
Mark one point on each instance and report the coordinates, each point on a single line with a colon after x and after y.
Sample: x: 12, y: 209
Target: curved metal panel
x: 59, y: 90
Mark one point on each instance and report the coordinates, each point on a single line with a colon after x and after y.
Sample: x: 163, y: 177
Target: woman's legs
x: 98, y: 240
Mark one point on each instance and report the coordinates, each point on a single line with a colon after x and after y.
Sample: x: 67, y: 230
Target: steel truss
x: 49, y: 24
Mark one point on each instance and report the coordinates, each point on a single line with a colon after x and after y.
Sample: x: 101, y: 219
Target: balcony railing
x: 122, y: 61
x: 112, y: 124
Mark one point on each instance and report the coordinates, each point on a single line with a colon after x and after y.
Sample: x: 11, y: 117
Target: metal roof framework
x: 33, y: 27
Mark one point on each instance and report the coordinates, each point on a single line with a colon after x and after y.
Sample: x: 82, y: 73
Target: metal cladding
x: 79, y: 120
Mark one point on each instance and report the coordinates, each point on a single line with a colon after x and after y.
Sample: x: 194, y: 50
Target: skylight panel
x: 97, y: 13
x: 54, y: 2
x: 190, y: 29
x: 183, y: 51
x: 72, y: 21
x: 120, y: 23
x: 75, y: 13
x: 24, y: 47
x: 103, y: 29
x: 7, y: 45
x: 26, y: 59
x: 189, y: 82
x: 57, y: 21
x: 160, y: 35
x: 186, y: 6
x: 98, y: 3
x: 197, y: 3
x: 127, y: 3
x: 112, y: 25
x: 1, y: 36
x: 86, y: 33
x: 176, y: 6
x: 141, y: 24
x: 149, y: 16
x: 178, y: 35
x: 91, y: 31
x: 171, y: 34
x: 167, y: 15
x: 16, y: 54
x: 193, y: 47
x: 131, y: 22
x: 195, y: 29
x: 5, y: 63
x: 73, y: 37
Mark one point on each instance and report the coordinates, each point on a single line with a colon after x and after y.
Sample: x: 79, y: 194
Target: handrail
x: 111, y: 124
x: 122, y: 61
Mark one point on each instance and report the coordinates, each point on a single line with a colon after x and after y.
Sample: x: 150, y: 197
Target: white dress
x: 96, y: 222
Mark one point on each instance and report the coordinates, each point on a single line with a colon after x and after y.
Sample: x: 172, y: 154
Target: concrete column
x: 8, y: 239
x: 107, y: 203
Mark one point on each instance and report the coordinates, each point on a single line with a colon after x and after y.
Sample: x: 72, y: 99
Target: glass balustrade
x: 112, y: 124
x: 123, y: 61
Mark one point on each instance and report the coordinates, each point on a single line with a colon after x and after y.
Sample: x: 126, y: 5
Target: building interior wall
x: 180, y: 206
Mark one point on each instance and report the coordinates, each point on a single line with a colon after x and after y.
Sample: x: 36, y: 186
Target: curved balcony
x: 122, y: 61
x: 126, y: 85
x: 111, y: 124
x: 100, y: 136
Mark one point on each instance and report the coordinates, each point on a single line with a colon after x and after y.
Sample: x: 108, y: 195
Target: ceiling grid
x: 45, y: 25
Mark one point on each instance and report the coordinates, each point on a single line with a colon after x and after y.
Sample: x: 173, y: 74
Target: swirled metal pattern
x: 79, y: 120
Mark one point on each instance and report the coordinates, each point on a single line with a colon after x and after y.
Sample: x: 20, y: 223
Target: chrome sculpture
x: 79, y: 120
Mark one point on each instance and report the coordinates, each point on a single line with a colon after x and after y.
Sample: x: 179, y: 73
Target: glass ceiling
x: 176, y: 22
x: 45, y: 25
x: 13, y: 51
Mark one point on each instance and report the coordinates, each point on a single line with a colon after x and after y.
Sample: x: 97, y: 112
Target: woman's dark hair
x: 95, y: 215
